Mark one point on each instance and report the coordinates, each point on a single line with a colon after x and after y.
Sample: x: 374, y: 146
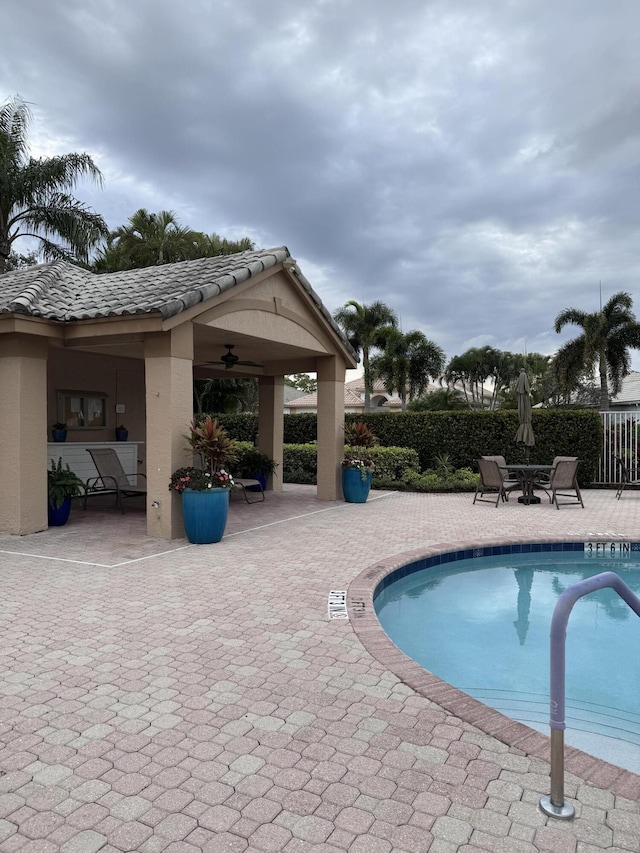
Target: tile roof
x: 630, y: 390
x: 62, y: 292
x: 310, y: 401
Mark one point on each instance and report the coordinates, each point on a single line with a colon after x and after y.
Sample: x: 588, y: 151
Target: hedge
x: 300, y: 462
x: 464, y: 436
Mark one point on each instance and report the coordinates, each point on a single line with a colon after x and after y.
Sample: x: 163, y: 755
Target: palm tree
x: 149, y: 239
x: 407, y: 363
x: 225, y: 395
x: 607, y: 336
x: 442, y: 400
x: 146, y: 240
x: 35, y: 199
x: 362, y: 325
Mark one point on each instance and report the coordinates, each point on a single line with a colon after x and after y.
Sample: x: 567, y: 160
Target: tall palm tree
x: 607, y: 337
x: 362, y: 325
x: 35, y: 199
x: 407, y: 363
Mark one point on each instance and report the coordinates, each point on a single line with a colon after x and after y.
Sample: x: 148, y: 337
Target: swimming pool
x: 482, y: 625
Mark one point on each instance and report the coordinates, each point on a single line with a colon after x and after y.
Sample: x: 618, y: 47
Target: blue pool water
x: 483, y: 626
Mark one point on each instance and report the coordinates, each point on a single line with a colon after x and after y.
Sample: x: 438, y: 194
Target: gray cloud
x: 472, y: 164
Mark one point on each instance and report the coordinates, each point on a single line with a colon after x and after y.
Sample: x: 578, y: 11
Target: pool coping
x: 365, y: 623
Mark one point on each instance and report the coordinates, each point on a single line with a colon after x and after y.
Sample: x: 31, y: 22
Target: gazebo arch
x: 137, y: 338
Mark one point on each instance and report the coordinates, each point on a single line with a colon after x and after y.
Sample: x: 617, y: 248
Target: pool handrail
x: 555, y: 805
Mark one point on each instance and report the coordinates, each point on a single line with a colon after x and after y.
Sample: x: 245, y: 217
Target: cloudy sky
x: 475, y: 164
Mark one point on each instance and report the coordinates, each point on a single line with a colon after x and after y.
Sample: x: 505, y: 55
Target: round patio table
x: 527, y: 476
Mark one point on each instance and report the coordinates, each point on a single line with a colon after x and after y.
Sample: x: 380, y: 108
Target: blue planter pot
x: 354, y: 487
x: 59, y: 434
x: 122, y: 434
x: 205, y: 515
x: 60, y: 515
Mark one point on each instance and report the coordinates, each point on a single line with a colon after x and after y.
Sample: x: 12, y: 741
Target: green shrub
x: 441, y: 480
x: 300, y: 463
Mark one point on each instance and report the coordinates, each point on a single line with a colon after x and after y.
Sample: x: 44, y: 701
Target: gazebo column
x: 331, y: 375
x: 271, y: 423
x: 23, y: 433
x: 169, y: 410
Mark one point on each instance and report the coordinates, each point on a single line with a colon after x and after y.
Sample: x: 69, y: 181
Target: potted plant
x: 122, y: 433
x: 357, y: 466
x: 59, y: 431
x: 62, y: 485
x: 257, y: 466
x: 205, y: 491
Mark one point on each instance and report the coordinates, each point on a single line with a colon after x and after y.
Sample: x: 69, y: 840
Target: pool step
x: 533, y: 709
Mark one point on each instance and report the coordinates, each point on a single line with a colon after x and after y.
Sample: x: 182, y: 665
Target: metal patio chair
x: 510, y: 479
x: 111, y: 477
x: 543, y: 479
x: 491, y: 480
x: 563, y: 482
x: 625, y: 476
x: 248, y: 484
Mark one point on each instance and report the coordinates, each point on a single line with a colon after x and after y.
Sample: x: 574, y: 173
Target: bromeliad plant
x: 358, y: 435
x: 208, y: 440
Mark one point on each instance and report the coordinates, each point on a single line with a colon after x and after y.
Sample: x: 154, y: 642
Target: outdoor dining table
x: 526, y: 474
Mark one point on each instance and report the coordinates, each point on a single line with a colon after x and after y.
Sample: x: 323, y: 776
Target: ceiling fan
x: 229, y: 359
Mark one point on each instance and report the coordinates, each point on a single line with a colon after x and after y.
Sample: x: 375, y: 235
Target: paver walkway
x: 157, y: 696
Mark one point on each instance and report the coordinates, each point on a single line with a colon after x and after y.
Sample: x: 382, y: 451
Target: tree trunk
x: 604, y: 385
x: 367, y: 379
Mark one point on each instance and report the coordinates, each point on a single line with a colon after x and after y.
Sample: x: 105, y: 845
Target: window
x: 82, y: 409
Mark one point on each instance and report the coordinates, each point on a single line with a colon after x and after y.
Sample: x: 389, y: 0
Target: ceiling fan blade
x: 229, y: 359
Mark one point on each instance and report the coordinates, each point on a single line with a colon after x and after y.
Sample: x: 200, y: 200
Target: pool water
x: 483, y: 626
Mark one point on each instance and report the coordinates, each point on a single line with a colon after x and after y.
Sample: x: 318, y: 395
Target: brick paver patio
x: 158, y: 696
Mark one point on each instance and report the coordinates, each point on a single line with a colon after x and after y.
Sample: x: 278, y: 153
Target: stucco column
x: 271, y: 423
x: 331, y: 374
x: 23, y: 433
x: 168, y: 358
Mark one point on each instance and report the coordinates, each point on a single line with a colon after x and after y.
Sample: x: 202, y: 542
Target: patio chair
x: 563, y: 482
x: 510, y: 479
x: 248, y: 484
x: 491, y: 479
x: 111, y: 477
x: 625, y: 476
x: 543, y: 480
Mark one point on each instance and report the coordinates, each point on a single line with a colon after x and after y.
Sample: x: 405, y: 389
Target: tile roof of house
x: 310, y: 401
x: 63, y: 292
x: 630, y: 390
x: 357, y: 384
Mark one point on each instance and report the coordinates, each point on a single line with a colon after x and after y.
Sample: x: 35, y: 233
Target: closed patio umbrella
x: 524, y: 435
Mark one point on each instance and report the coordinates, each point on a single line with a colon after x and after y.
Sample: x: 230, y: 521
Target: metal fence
x: 621, y: 436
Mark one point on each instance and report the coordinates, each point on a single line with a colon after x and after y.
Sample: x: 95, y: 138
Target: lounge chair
x: 625, y: 477
x: 491, y: 480
x: 111, y: 477
x: 563, y: 482
x: 248, y: 484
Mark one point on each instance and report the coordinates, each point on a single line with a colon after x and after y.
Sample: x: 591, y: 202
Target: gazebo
x: 98, y: 350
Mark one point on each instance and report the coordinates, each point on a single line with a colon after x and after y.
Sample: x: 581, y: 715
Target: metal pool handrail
x: 554, y: 805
